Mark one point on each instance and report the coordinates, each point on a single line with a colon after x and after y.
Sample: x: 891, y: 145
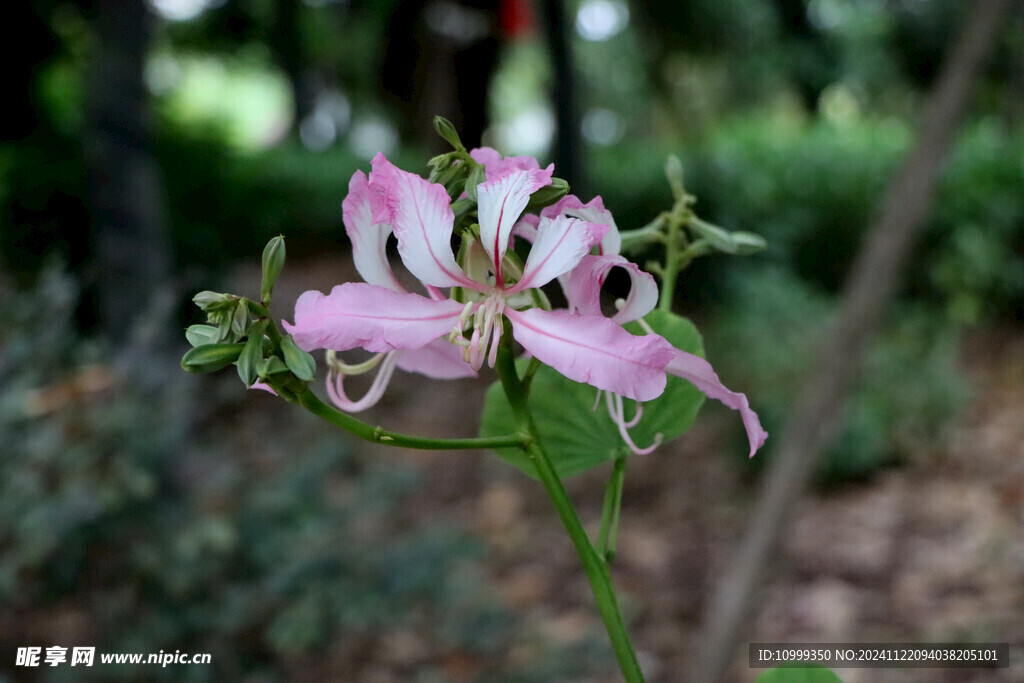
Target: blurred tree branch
x: 871, y: 283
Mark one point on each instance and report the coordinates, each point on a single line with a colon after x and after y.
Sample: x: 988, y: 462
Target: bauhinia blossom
x: 487, y: 284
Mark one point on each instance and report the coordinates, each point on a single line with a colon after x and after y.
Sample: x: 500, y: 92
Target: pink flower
x: 581, y: 343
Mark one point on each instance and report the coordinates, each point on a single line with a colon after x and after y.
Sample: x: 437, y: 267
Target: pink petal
x: 422, y: 220
x: 558, y: 247
x: 262, y: 387
x: 700, y: 374
x: 594, y: 350
x: 592, y: 212
x: 369, y: 237
x: 499, y: 203
x: 497, y: 166
x: 358, y: 315
x: 583, y: 287
x: 440, y: 359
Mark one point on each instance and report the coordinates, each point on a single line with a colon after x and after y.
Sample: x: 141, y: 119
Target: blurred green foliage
x: 904, y: 401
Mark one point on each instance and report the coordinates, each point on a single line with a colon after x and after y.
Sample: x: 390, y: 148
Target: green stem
x: 308, y: 400
x: 612, y: 508
x: 593, y: 564
x: 671, y: 267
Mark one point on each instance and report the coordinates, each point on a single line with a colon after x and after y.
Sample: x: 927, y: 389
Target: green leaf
x: 197, y: 335
x: 298, y: 361
x: 210, y: 357
x: 578, y: 438
x: 797, y: 673
x: 251, y: 355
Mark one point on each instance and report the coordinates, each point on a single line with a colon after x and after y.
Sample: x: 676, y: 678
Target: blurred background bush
x: 148, y: 151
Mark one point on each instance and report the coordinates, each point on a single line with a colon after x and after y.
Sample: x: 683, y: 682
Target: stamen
x: 336, y: 386
x: 492, y: 358
x: 597, y: 400
x: 335, y: 364
x: 615, y: 410
x: 636, y: 417
x: 476, y: 356
x: 647, y: 328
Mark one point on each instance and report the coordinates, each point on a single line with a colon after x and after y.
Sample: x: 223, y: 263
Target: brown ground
x: 932, y: 551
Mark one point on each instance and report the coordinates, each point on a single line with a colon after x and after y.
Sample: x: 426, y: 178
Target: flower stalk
x: 594, y: 565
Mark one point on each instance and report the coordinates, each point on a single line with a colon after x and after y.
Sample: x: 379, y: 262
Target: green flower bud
x: 748, y: 243
x: 270, y: 366
x: 240, y: 319
x: 717, y: 237
x: 273, y: 263
x: 251, y: 355
x: 213, y: 301
x: 298, y: 361
x: 674, y: 173
x: 476, y: 176
x: 447, y: 131
x: 548, y: 195
x: 197, y: 335
x: 210, y: 357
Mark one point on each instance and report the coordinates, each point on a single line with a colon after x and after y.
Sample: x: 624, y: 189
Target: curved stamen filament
x: 339, y: 366
x: 617, y: 413
x: 336, y: 388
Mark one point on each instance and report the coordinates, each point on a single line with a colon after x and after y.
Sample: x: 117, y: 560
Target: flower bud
x: 251, y: 354
x: 210, y: 357
x: 213, y: 301
x: 548, y: 195
x: 270, y: 366
x: 748, y: 243
x: 717, y: 237
x: 674, y: 173
x: 298, y: 361
x: 240, y: 319
x: 273, y: 263
x: 197, y: 335
x: 447, y: 131
x: 476, y: 176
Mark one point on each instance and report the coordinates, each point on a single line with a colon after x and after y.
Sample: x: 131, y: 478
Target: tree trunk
x: 131, y: 257
x: 871, y: 283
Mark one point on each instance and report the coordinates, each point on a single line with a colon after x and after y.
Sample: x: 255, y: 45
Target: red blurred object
x: 516, y: 19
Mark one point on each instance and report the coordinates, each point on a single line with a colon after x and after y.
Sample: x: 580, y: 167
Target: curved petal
x: 440, y: 359
x: 700, y: 374
x: 497, y: 166
x: 422, y: 220
x: 583, y: 287
x: 369, y: 237
x: 559, y: 246
x: 358, y: 315
x: 499, y: 203
x: 592, y: 212
x: 594, y: 350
